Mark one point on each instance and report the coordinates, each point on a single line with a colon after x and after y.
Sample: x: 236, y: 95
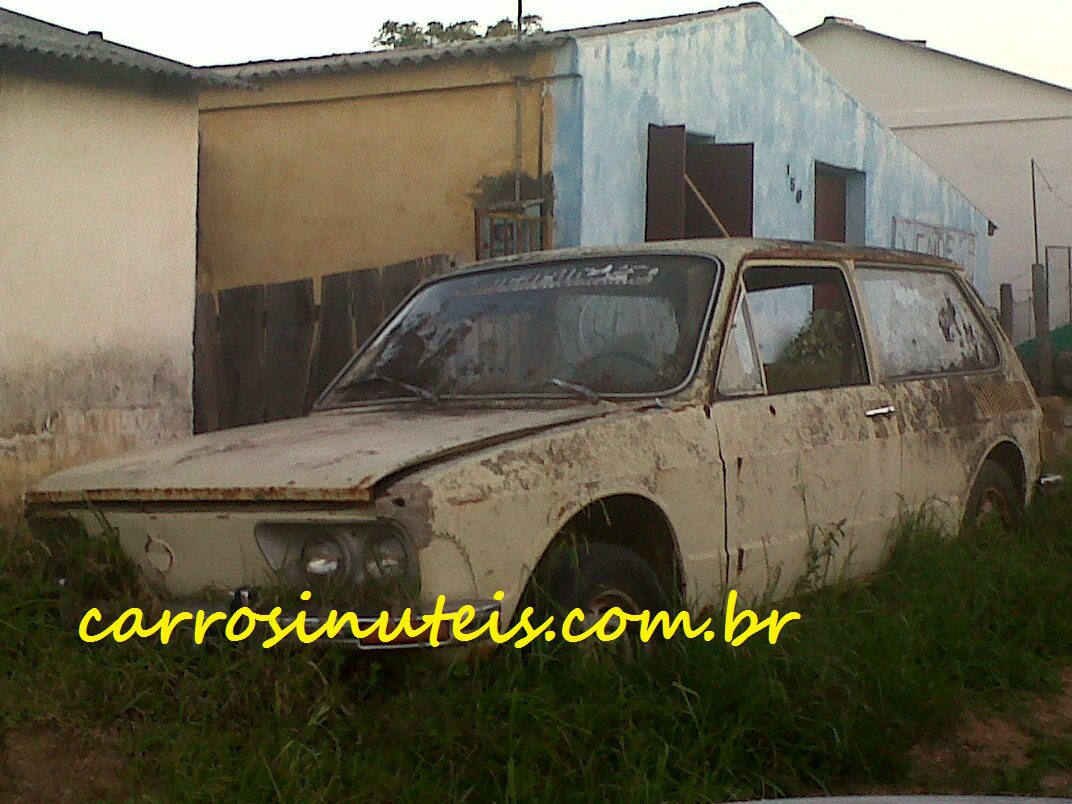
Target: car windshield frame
x: 717, y: 266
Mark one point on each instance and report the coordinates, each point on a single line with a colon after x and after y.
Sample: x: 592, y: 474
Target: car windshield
x: 604, y: 325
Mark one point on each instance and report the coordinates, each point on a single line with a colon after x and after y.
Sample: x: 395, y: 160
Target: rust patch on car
x: 479, y: 498
x: 357, y: 493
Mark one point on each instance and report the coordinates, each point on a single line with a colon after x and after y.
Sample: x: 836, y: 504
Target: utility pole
x: 1040, y: 301
x: 518, y: 111
x: 1041, y: 293
x: 1034, y: 206
x: 1007, y: 309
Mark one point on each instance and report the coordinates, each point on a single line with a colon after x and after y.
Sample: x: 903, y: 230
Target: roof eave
x: 181, y: 73
x: 385, y: 59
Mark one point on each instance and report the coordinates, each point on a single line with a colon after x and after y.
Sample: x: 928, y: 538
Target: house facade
x: 694, y: 126
x: 98, y: 187
x: 980, y: 127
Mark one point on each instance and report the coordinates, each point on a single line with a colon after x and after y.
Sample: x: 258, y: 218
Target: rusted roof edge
x: 857, y: 253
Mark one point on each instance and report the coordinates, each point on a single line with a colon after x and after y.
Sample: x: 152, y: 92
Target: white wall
x: 98, y: 190
x: 979, y: 127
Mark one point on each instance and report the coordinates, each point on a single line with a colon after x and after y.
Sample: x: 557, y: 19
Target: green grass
x: 838, y: 704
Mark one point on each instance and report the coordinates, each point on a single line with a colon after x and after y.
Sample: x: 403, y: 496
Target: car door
x: 809, y: 445
x: 942, y: 364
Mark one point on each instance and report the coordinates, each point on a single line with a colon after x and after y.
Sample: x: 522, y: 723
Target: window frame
x: 971, y: 297
x: 738, y: 299
x: 854, y: 303
x: 535, y: 259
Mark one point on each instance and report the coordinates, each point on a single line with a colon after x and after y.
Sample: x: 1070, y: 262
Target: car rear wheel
x: 994, y: 496
x: 596, y: 578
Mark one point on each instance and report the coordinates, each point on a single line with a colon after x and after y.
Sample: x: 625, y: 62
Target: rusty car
x: 637, y: 427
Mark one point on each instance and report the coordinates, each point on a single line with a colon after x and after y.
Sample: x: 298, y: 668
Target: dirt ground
x: 1034, y: 742
x: 48, y: 765
x: 1026, y: 751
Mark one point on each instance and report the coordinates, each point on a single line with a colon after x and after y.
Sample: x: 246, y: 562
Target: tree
x: 401, y: 34
x: 463, y: 31
x: 530, y: 24
x: 394, y: 34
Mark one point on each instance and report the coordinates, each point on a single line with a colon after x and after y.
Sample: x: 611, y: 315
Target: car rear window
x: 922, y: 323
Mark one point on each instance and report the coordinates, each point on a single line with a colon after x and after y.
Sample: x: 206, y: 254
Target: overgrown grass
x: 836, y: 705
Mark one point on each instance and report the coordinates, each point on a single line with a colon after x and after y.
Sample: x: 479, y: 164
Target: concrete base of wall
x: 64, y: 410
x: 75, y: 437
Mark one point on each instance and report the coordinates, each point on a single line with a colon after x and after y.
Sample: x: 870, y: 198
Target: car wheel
x: 595, y: 578
x: 994, y: 495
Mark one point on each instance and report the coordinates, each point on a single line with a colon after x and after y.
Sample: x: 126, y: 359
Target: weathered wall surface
x: 992, y: 163
x: 980, y: 127
x: 326, y: 173
x: 738, y: 77
x: 97, y: 250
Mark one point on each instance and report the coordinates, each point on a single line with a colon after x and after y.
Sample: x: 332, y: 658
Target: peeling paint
x: 738, y: 78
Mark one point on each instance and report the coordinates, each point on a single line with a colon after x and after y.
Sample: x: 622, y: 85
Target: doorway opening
x: 840, y: 204
x: 697, y: 187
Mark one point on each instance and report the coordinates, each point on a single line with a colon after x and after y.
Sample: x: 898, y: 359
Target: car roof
x: 731, y: 250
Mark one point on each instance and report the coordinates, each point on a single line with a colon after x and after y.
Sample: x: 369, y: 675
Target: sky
x: 1025, y: 36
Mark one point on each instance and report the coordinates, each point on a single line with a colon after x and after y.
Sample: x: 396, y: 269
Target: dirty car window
x: 922, y: 323
x: 613, y: 325
x: 805, y: 328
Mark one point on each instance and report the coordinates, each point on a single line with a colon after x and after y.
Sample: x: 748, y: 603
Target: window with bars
x: 502, y: 232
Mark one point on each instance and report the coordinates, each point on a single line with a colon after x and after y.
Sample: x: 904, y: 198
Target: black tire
x: 994, y: 492
x: 583, y: 575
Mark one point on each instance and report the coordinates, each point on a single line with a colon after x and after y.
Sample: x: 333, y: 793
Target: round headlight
x: 323, y: 556
x: 386, y: 558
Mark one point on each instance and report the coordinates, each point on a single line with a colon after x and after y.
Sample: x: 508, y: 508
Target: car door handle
x: 885, y: 410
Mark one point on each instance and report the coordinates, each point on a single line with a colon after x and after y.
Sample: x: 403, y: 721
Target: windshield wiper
x: 577, y: 388
x: 416, y: 390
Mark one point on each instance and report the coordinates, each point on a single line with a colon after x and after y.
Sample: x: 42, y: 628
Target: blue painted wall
x: 739, y: 77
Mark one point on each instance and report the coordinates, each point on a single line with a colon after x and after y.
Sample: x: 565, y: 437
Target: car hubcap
x: 626, y: 645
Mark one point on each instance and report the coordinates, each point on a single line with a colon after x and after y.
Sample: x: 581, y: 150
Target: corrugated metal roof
x: 476, y: 48
x: 351, y: 62
x: 30, y: 35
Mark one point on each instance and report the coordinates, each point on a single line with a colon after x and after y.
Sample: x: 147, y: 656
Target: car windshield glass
x: 611, y: 325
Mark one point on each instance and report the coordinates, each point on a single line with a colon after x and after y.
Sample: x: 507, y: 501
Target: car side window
x: 922, y: 323
x: 805, y: 328
x: 739, y: 373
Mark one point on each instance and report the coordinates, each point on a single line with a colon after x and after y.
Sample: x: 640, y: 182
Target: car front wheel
x: 596, y: 578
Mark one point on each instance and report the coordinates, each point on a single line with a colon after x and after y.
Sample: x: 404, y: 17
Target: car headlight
x: 323, y: 557
x: 338, y: 555
x: 386, y: 558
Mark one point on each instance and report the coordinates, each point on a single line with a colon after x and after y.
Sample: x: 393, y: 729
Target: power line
x: 1051, y: 188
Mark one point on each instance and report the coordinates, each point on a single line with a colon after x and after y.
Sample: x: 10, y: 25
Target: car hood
x: 330, y: 456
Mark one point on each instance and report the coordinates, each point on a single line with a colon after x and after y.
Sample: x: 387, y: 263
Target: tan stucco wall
x: 97, y: 257
x: 326, y: 173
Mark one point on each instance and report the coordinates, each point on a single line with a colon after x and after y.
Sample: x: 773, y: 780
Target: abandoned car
x: 617, y: 427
